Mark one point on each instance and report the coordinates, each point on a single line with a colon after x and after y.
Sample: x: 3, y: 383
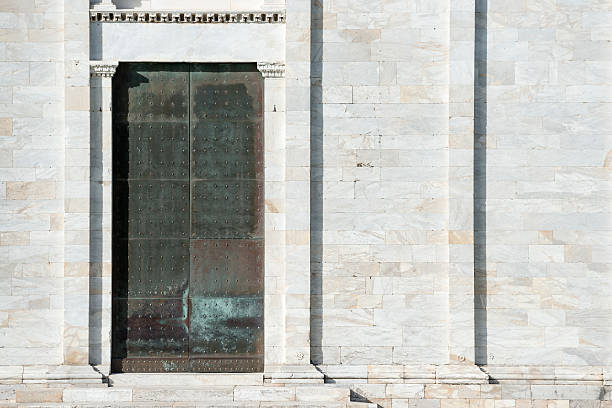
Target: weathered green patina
x: 188, y: 217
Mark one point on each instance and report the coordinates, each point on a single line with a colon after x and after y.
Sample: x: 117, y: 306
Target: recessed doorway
x: 188, y: 218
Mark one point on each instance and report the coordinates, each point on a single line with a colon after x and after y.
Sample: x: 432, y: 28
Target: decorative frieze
x: 138, y: 16
x: 103, y: 69
x: 271, y: 69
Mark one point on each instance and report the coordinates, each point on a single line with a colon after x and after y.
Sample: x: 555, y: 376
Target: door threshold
x: 184, y: 380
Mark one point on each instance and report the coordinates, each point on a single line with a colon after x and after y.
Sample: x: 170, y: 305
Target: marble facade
x: 438, y: 185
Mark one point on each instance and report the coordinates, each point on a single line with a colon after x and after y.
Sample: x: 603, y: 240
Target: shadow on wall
x: 97, y: 334
x: 480, y: 183
x: 316, y: 182
x: 96, y: 249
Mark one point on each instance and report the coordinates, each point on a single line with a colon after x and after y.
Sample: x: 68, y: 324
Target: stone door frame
x: 276, y: 331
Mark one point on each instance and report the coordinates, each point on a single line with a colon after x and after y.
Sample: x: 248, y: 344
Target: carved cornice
x: 103, y: 69
x: 185, y: 17
x: 271, y: 69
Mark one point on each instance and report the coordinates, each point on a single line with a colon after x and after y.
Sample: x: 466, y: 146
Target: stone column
x: 101, y: 212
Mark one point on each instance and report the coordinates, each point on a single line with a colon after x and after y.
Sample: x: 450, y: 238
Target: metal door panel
x: 156, y: 268
x: 159, y: 150
x: 227, y: 218
x: 150, y: 112
x: 225, y: 326
x: 152, y: 92
x: 227, y: 209
x: 151, y: 328
x: 226, y: 267
x: 150, y: 216
x: 151, y: 209
x: 226, y: 150
x: 158, y: 209
x: 226, y: 92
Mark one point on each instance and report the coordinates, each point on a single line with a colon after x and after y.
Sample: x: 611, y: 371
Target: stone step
x: 187, y: 380
x: 260, y: 396
x: 290, y: 404
x: 305, y: 393
x: 203, y: 394
x: 322, y: 393
x: 298, y: 395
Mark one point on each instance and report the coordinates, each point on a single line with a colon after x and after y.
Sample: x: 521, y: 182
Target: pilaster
x: 76, y: 172
x: 297, y: 276
x: 461, y: 184
x: 101, y: 211
x: 275, y: 145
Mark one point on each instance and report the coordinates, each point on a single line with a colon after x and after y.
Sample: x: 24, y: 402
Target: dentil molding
x: 185, y: 17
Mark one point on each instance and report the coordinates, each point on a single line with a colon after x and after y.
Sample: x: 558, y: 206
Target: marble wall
x: 393, y: 228
x: 32, y: 188
x: 546, y: 180
x: 438, y: 178
x: 381, y: 164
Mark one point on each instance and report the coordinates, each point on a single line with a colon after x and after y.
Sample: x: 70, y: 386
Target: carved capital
x: 271, y: 69
x: 103, y: 69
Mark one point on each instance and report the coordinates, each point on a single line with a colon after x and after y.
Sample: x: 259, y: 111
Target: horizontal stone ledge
x: 62, y: 373
x: 179, y: 394
x: 418, y: 374
x: 106, y: 395
x: 39, y: 395
x: 186, y: 17
x: 461, y: 374
x: 322, y: 393
x: 547, y: 374
x: 568, y: 392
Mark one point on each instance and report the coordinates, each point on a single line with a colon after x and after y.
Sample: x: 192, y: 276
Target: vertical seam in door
x: 189, y: 230
x: 189, y: 145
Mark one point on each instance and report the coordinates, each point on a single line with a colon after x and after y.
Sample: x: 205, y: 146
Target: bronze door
x: 188, y: 232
